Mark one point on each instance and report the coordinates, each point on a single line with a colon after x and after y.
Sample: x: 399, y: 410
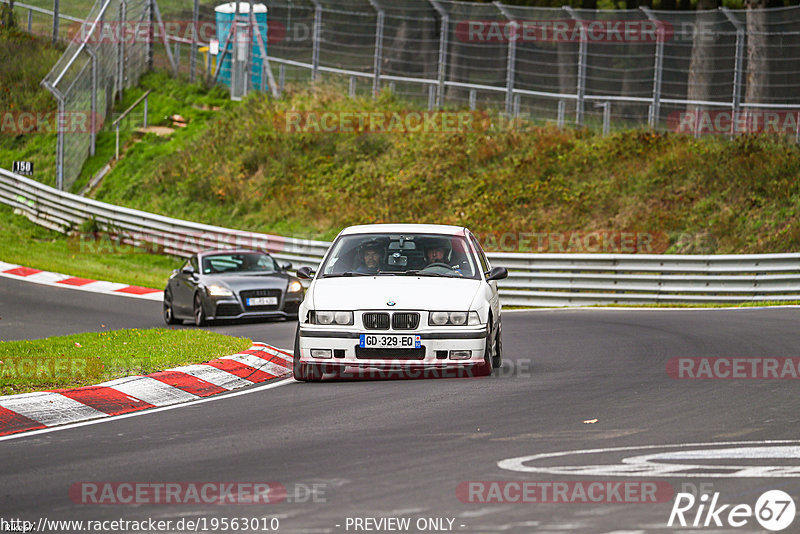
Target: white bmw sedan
x: 400, y: 297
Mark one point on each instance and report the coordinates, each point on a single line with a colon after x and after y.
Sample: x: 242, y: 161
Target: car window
x: 485, y: 265
x: 239, y: 263
x: 396, y: 254
x: 193, y: 264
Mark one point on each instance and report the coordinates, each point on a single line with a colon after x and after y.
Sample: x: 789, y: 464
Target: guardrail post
x: 606, y: 115
x: 515, y: 108
x: 376, y: 81
x: 30, y: 20
x: 55, y: 20
x: 654, y: 113
x: 581, y: 83
x: 443, y: 44
x: 736, y: 97
x: 352, y: 89
x: 473, y: 97
x: 511, y: 59
x: 281, y: 78
x: 316, y: 30
x: 562, y: 111
x: 431, y: 97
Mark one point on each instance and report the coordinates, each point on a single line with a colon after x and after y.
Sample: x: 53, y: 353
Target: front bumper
x: 437, y: 346
x: 232, y: 308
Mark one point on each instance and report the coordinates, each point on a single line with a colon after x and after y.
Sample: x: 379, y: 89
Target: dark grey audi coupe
x: 231, y: 284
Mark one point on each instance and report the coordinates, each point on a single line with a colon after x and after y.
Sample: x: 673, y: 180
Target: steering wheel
x: 438, y: 265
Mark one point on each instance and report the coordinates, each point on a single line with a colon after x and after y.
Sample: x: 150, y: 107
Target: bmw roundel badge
x: 391, y: 303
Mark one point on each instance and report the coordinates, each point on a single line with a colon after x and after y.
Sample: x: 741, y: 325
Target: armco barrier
x: 534, y: 279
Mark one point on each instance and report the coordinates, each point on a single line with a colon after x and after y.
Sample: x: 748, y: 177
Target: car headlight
x: 295, y: 286
x: 219, y: 291
x: 330, y: 317
x: 443, y: 318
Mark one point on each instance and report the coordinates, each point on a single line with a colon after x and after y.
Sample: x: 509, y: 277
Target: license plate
x: 374, y: 341
x: 262, y: 301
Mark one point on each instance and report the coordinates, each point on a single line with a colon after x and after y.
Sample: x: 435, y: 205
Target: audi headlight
x: 219, y: 291
x: 331, y: 317
x: 295, y: 286
x: 443, y: 318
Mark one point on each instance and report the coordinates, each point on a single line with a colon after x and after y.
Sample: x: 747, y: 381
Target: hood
x: 408, y: 292
x: 239, y: 282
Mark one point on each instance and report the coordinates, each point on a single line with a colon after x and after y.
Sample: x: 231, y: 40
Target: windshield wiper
x: 346, y: 273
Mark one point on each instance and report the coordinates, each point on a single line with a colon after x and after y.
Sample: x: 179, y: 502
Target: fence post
x: 93, y: 119
x: 281, y: 79
x: 55, y: 20
x: 193, y: 53
x: 121, y: 50
x: 376, y: 81
x: 581, y: 84
x: 151, y: 35
x: 655, y: 108
x: 60, y: 135
x: 562, y: 109
x: 473, y: 97
x: 30, y: 20
x: 443, y: 44
x: 352, y: 89
x: 736, y: 97
x: 316, y: 37
x: 511, y: 60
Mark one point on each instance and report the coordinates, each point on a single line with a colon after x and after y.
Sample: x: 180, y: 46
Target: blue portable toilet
x: 225, y: 15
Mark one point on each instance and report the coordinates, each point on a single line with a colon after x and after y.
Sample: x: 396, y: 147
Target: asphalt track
x: 401, y: 448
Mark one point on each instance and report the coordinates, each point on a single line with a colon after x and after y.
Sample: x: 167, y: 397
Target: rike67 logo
x: 774, y: 510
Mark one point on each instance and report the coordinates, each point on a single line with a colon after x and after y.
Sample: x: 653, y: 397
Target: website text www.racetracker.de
x: 174, y: 526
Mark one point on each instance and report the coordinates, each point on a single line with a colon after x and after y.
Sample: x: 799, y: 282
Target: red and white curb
x: 33, y: 411
x: 9, y: 270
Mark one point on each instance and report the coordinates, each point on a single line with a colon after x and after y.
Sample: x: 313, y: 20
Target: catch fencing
x: 534, y: 279
x: 698, y: 72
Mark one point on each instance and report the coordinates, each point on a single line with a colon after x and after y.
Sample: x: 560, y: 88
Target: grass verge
x: 86, y: 359
x: 25, y: 243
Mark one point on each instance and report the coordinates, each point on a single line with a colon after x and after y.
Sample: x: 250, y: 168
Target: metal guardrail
x: 534, y: 279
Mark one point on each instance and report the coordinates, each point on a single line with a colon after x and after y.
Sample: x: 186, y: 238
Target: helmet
x: 439, y: 242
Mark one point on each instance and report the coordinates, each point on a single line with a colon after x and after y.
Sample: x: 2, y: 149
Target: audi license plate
x: 262, y: 301
x: 373, y: 341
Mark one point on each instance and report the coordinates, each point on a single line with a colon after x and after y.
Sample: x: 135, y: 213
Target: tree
x: 757, y: 67
x: 7, y: 15
x: 702, y: 62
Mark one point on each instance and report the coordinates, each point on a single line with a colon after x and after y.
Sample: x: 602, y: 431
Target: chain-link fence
x: 720, y: 71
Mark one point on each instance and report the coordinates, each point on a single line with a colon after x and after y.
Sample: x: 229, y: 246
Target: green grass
x: 86, y: 359
x: 25, y: 243
x: 20, y: 92
x: 712, y: 195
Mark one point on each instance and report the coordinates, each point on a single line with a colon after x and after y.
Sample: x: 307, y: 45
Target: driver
x: 370, y: 257
x: 437, y: 252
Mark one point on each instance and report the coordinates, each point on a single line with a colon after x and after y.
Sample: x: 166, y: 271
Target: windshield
x: 396, y: 255
x: 254, y: 262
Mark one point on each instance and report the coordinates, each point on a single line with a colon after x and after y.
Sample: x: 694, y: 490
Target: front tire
x: 169, y: 311
x: 497, y: 359
x: 303, y: 372
x: 199, y: 312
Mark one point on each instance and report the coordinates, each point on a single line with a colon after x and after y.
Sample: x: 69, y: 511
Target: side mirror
x: 286, y: 266
x: 497, y: 273
x: 187, y: 270
x: 305, y: 272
